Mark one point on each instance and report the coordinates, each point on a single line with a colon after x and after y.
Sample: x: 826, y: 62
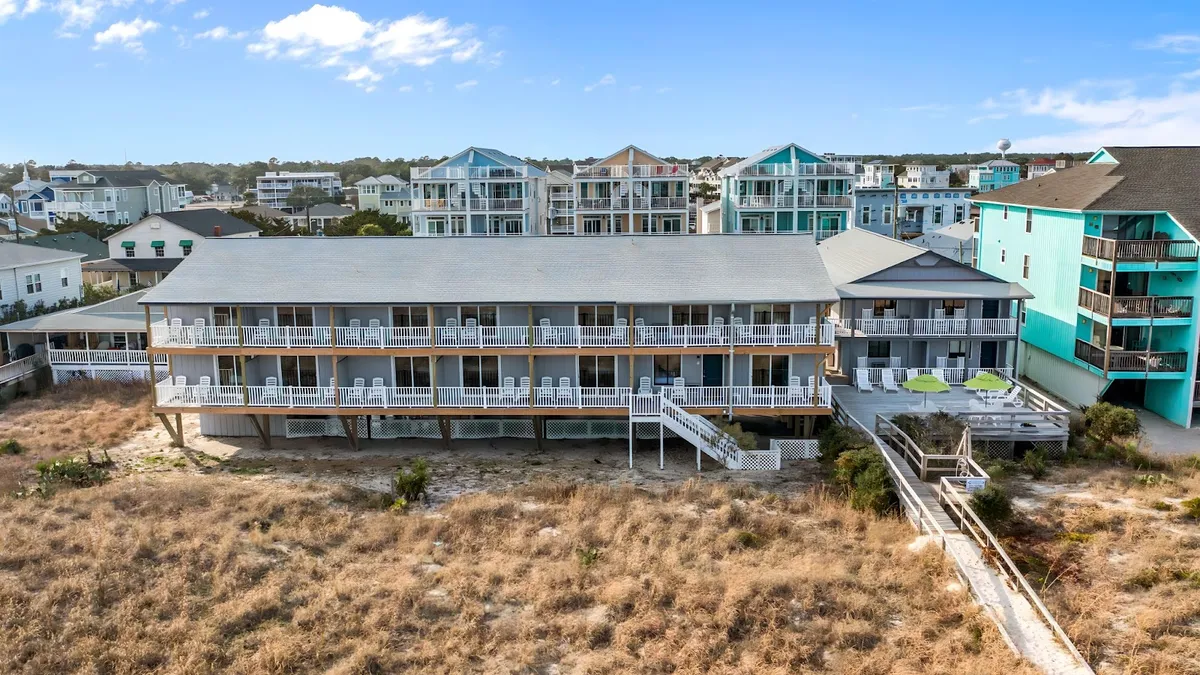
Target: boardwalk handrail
x: 970, y: 524
x: 920, y: 514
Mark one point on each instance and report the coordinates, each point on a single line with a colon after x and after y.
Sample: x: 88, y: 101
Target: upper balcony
x: 843, y: 169
x: 900, y: 327
x: 1136, y: 306
x: 453, y: 336
x: 788, y: 201
x: 1140, y: 250
x: 469, y: 172
x: 81, y: 206
x: 677, y: 171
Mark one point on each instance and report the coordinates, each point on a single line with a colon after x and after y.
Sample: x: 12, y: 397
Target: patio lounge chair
x: 645, y: 336
x: 862, y: 379
x: 889, y: 381
x: 353, y: 333
x: 566, y: 393
x: 470, y: 332
x: 940, y: 374
x: 523, y: 392
x: 739, y: 329
x: 1013, y: 397
x: 270, y: 392
x: 374, y: 334
x: 356, y: 395
x: 797, y: 395
x: 378, y: 392
x: 175, y: 332
x: 262, y: 333
x: 448, y: 336
x: 549, y: 334
x: 198, y: 327
x: 678, y: 392
x: 204, y: 390
x: 620, y: 332
x: 545, y: 393
x: 508, y: 393
x: 330, y: 394
x: 716, y: 332
x: 644, y: 387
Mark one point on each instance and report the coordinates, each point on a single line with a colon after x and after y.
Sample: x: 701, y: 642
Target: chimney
x: 216, y: 230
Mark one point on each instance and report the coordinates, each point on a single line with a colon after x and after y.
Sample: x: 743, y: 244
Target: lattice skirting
x: 1054, y: 449
x: 312, y: 427
x: 404, y: 428
x: 492, y: 428
x: 62, y: 376
x: 984, y: 449
x: 797, y: 448
x: 758, y: 460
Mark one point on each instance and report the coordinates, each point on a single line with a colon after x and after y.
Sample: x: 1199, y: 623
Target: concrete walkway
x: 1166, y: 438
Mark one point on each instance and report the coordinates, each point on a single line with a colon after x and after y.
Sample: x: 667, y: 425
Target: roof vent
x: 216, y: 230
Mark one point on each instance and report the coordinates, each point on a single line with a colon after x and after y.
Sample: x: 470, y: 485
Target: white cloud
x: 554, y: 82
x: 7, y: 9
x: 606, y: 81
x: 329, y: 28
x: 987, y: 116
x: 221, y: 33
x: 361, y: 74
x: 405, y: 89
x: 127, y: 34
x: 1190, y: 75
x: 662, y: 90
x: 173, y: 2
x: 927, y: 107
x: 419, y: 41
x: 1178, y: 43
x: 636, y: 87
x: 1108, y: 113
x: 79, y: 13
x: 469, y: 84
x: 527, y: 80
x: 200, y: 14
x: 31, y: 6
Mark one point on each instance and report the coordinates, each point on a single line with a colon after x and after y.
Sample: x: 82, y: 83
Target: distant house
x: 319, y: 216
x: 708, y: 172
x: 956, y: 242
x: 1040, y: 167
x: 33, y: 274
x: 993, y: 175
x: 224, y: 192
x: 106, y: 196
x: 386, y: 194
x: 148, y: 250
x: 15, y: 224
x: 72, y: 242
x: 263, y: 211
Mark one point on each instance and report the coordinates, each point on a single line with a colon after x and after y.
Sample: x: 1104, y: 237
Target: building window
x: 591, y: 226
x: 187, y: 250
x: 1025, y: 267
x: 937, y: 215
x: 666, y: 368
x: 160, y: 251
x: 879, y: 349
x: 1003, y: 255
x: 412, y: 371
x: 959, y: 212
x: 887, y: 215
x: 1005, y: 216
x: 879, y: 306
x: 597, y: 371
x: 1028, y: 221
x: 689, y: 315
x: 62, y: 274
x: 484, y: 315
x: 410, y: 317
x: 1022, y: 315
x: 866, y: 215
x: 960, y: 348
x: 481, y: 371
x: 129, y: 252
x: 769, y: 370
x: 33, y: 283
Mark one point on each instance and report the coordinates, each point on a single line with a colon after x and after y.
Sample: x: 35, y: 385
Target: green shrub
x: 1160, y: 505
x: 746, y: 440
x: 1076, y: 430
x: 411, y: 484
x: 993, y: 506
x: 1145, y: 579
x: 838, y: 438
x: 1191, y: 507
x: 11, y: 447
x: 1034, y: 463
x: 587, y: 556
x: 914, y: 427
x: 748, y: 540
x: 1106, y: 422
x: 862, y: 474
x: 70, y: 471
x: 1002, y: 468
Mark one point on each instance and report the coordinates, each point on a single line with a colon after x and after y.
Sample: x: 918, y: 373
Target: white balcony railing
x: 883, y: 327
x: 681, y: 336
x: 81, y: 206
x: 455, y: 204
x: 383, y: 337
x: 783, y: 335
x: 515, y: 204
x: 594, y: 204
x: 386, y: 397
x: 439, y: 173
x: 994, y: 326
x: 543, y: 397
x: 697, y: 397
x: 840, y: 201
x: 285, y: 336
x: 103, y: 357
x: 679, y: 171
x: 938, y: 327
x: 668, y: 202
x: 580, y: 336
x: 198, y: 395
x: 483, y: 336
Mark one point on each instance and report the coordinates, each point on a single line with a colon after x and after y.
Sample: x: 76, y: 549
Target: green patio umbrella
x: 926, y: 384
x: 986, y: 381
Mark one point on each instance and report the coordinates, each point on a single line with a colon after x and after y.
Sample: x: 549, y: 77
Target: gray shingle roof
x: 75, y: 242
x: 855, y: 256
x: 132, y: 265
x: 202, y: 221
x: 323, y: 210
x: 20, y: 255
x: 506, y: 270
x: 118, y: 314
x: 1143, y: 179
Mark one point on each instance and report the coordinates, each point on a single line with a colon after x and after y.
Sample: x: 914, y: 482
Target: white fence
x: 21, y: 368
x: 796, y: 448
x: 103, y: 357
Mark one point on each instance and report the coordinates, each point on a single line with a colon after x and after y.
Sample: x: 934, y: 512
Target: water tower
x: 1003, y: 145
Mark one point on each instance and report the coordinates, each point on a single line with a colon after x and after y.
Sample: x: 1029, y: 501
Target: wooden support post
x: 332, y: 329
x: 808, y: 426
x: 264, y: 434
x: 445, y: 427
x: 176, y: 434
x: 539, y: 431
x: 150, y: 360
x: 433, y: 385
x: 632, y: 425
x: 352, y: 432
x: 529, y: 393
x: 632, y: 388
x: 660, y: 446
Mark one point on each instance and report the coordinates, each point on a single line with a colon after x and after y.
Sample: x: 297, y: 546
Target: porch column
x: 150, y: 360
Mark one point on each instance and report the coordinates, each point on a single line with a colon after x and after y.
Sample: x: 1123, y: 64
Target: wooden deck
x: 1015, y: 423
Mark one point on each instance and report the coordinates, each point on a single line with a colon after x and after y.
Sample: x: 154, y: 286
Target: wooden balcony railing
x: 1136, y: 306
x: 1130, y: 361
x: 1140, y: 250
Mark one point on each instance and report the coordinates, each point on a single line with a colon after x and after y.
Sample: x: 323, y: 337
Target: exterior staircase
x: 701, y: 433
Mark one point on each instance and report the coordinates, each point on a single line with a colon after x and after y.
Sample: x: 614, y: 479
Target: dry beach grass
x: 178, y: 573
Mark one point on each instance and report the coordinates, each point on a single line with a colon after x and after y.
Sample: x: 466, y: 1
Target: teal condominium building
x: 1109, y: 251
x: 787, y: 189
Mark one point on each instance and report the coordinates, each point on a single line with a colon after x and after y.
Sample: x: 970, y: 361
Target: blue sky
x: 218, y: 80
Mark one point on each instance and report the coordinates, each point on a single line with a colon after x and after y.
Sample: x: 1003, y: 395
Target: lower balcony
x: 1135, y: 306
x: 378, y: 396
x: 1116, y: 360
x: 103, y: 357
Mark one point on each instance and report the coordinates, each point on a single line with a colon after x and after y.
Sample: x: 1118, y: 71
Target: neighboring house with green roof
x: 1109, y: 250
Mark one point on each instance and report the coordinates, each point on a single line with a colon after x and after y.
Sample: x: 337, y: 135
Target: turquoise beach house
x: 789, y: 190
x: 1109, y: 251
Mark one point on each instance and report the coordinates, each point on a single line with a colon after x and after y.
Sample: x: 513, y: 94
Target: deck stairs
x: 701, y: 433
